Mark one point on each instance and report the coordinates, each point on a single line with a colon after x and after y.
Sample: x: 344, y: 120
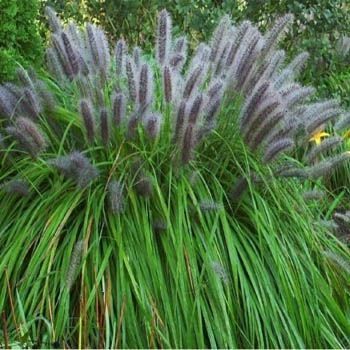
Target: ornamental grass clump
x: 142, y: 204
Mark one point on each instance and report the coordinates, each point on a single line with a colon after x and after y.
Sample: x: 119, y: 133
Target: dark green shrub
x: 20, y: 42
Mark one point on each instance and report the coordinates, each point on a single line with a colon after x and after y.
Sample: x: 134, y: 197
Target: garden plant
x: 171, y: 200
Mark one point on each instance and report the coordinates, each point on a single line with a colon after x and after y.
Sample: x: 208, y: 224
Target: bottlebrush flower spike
x: 104, y: 125
x: 71, y: 55
x: 325, y: 167
x: 296, y: 95
x: 264, y: 71
x: 180, y: 119
x: 136, y: 55
x: 54, y: 22
x: 152, y: 125
x: 74, y: 264
x: 193, y: 81
x: 77, y: 167
x: 167, y: 84
x: 215, y: 88
x: 62, y: 57
x: 130, y: 73
x: 119, y: 108
x: 116, y: 198
x: 252, y: 103
x: 31, y: 104
x: 291, y: 171
x: 276, y: 148
x: 188, y: 144
x: 218, y: 38
x: 24, y: 78
x: 211, y: 110
x: 91, y: 35
x: 195, y: 109
x: 145, y: 85
x: 298, y: 63
x: 120, y: 56
x: 18, y: 187
x: 273, y: 36
x: 243, y: 64
x: 28, y: 136
x: 54, y: 64
x: 270, y: 105
x: 7, y: 102
x: 180, y: 46
x: 87, y: 114
x: 47, y: 99
x: 266, y: 129
x: 144, y: 185
x: 343, y: 122
x: 24, y: 141
x: 29, y: 128
x: 323, y: 147
x: 133, y: 125
x: 240, y: 33
x: 164, y: 39
x: 177, y: 61
x: 324, y: 116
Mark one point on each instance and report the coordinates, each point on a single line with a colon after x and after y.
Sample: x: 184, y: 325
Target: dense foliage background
x: 20, y: 42
x: 317, y: 28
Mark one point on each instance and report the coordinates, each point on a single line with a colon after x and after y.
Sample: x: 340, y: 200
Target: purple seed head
x: 86, y: 112
x: 17, y: 187
x: 152, y: 125
x: 164, y: 39
x: 119, y: 108
x: 120, y: 56
x: 130, y: 73
x: 70, y: 52
x: 104, y: 125
x: 195, y: 109
x: 167, y: 84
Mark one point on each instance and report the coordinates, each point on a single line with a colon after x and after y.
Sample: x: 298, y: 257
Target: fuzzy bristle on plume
x: 131, y: 76
x: 218, y: 37
x: 152, y: 125
x: 192, y: 81
x: 180, y: 119
x: 275, y: 33
x: 325, y: 167
x: 164, y: 39
x: 145, y: 85
x: 119, y: 108
x: 195, y: 109
x: 77, y: 167
x: 277, y: 148
x: 88, y: 118
x: 120, y: 56
x: 167, y: 84
x: 17, y: 187
x: 74, y: 264
x: 324, y: 146
x: 104, y: 126
x: 116, y: 197
x: 188, y: 144
x: 71, y: 55
x: 53, y: 20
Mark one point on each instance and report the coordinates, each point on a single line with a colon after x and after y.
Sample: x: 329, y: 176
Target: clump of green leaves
x: 20, y: 42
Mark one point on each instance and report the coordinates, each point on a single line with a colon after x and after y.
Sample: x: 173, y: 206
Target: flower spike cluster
x: 128, y: 96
